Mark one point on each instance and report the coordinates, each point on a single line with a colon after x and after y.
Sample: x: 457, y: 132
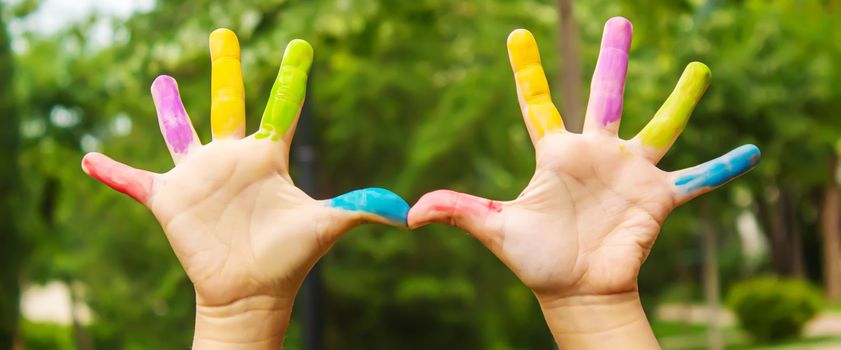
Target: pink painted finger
x: 173, y: 119
x: 473, y: 214
x: 123, y: 178
x: 604, y: 109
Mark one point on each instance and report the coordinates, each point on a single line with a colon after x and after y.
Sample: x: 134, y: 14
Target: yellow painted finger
x: 532, y: 87
x: 670, y: 120
x: 227, y: 94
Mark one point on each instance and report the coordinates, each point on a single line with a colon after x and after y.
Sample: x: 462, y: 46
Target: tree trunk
x: 780, y: 220
x: 711, y: 279
x: 12, y: 242
x: 797, y: 266
x: 80, y: 336
x: 830, y: 236
x: 569, y: 72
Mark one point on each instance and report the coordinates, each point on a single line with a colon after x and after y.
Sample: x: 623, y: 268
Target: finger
x: 695, y: 181
x: 369, y: 204
x: 288, y: 92
x: 662, y: 131
x: 123, y: 178
x: 604, y: 109
x: 227, y: 94
x: 178, y: 131
x: 539, y: 112
x: 478, y: 216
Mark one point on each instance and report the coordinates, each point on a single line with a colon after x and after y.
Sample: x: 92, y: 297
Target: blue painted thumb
x: 382, y: 203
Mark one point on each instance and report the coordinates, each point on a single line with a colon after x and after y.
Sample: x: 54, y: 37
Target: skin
x: 579, y: 232
x: 245, y: 235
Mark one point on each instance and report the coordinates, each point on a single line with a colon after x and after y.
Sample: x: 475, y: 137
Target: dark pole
x: 304, y: 157
x: 11, y: 250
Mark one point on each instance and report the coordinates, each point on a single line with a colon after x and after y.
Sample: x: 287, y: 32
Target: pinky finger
x: 123, y: 178
x: 695, y: 181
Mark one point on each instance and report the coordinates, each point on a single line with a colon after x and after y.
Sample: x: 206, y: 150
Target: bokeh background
x: 415, y: 96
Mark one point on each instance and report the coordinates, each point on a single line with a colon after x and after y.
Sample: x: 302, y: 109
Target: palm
x: 587, y: 219
x: 593, y: 209
x: 229, y: 208
x: 236, y: 221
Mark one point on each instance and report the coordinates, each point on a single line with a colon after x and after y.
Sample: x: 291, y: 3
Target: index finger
x: 539, y: 112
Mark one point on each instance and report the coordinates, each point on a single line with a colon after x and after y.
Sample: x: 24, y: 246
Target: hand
x: 245, y: 235
x: 590, y: 214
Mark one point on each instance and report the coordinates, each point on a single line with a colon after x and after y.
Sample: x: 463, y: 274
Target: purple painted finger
x: 172, y: 117
x: 604, y: 108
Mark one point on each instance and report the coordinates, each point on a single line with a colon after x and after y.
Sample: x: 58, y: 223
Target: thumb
x: 366, y: 205
x: 478, y: 216
x: 123, y: 178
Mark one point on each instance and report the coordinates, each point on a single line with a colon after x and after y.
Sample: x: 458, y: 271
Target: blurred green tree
x: 11, y: 250
x: 411, y: 96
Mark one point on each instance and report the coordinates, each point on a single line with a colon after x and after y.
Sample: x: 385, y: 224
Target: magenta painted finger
x: 172, y: 117
x: 604, y: 108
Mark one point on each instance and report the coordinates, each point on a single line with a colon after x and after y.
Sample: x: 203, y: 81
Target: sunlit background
x: 415, y: 96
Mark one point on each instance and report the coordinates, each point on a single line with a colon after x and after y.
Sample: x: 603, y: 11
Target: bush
x: 771, y: 308
x: 46, y: 336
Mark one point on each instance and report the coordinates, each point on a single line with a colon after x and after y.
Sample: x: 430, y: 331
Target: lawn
x: 686, y: 336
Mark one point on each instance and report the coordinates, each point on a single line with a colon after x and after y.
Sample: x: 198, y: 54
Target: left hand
x: 245, y: 235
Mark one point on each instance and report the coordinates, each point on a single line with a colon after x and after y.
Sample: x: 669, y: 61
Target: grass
x: 685, y: 336
x: 833, y: 307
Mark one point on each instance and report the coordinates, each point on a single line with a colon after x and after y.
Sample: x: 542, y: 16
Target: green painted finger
x: 671, y: 118
x: 287, y: 92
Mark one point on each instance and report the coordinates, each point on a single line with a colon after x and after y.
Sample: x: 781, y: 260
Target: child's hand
x: 243, y: 232
x: 585, y: 223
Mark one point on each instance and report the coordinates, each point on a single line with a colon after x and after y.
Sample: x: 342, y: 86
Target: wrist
x: 257, y: 322
x: 598, y: 321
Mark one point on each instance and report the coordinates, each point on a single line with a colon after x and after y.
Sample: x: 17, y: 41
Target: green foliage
x: 407, y: 95
x: 46, y: 336
x: 772, y: 308
x: 11, y: 248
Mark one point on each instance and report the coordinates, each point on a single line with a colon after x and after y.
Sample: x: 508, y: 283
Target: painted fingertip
x: 720, y: 170
x: 224, y: 43
x: 518, y: 36
x: 522, y: 48
x: 618, y: 32
x: 162, y: 83
x: 618, y: 22
x: 743, y: 158
x: 698, y: 71
x: 86, y: 162
x: 377, y: 201
x: 298, y: 54
x: 692, y: 85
